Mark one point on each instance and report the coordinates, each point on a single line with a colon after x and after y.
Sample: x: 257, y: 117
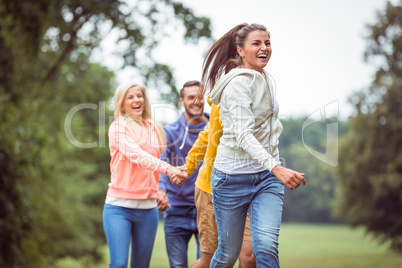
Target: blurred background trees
x: 52, y: 191
x: 370, y: 169
x: 313, y: 203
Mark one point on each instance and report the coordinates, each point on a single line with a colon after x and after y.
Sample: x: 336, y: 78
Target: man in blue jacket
x: 180, y: 217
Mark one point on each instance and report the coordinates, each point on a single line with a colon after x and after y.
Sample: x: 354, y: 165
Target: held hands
x: 162, y: 200
x: 290, y: 178
x: 177, y: 175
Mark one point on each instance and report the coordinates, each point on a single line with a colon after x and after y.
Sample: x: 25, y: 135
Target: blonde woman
x: 130, y: 211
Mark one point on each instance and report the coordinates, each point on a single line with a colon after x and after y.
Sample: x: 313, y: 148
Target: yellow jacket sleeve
x: 197, y: 152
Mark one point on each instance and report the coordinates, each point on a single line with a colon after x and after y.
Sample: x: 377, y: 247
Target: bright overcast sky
x: 318, y: 48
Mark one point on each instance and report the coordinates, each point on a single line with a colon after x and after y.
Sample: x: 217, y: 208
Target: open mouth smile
x: 136, y: 107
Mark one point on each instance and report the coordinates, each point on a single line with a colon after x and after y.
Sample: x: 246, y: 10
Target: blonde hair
x: 119, y: 97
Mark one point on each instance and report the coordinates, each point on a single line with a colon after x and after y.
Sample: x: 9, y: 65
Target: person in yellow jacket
x: 204, y: 149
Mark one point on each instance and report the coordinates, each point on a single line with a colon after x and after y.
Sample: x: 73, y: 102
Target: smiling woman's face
x: 134, y: 103
x: 256, y: 51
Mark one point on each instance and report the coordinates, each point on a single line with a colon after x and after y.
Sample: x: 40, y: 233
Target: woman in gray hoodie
x: 247, y: 174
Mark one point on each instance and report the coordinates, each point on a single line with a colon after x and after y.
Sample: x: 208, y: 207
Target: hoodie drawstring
x: 253, y: 80
x: 184, y: 139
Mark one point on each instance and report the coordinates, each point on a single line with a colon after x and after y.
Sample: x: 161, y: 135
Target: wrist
x: 275, y: 168
x: 168, y: 170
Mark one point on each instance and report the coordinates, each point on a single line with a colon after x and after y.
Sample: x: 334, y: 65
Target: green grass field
x: 330, y: 246
x: 302, y: 246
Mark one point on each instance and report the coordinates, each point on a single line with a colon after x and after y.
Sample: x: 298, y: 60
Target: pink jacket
x: 134, y: 167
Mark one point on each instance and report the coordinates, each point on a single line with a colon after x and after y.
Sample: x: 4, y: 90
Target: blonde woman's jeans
x: 124, y: 224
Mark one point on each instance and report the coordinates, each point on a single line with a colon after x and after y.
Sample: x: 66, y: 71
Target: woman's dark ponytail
x: 222, y: 57
x: 219, y: 58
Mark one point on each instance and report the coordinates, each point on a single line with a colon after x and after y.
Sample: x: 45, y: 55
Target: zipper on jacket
x: 151, y: 130
x: 270, y: 119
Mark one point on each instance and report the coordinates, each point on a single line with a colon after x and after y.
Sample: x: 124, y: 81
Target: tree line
x: 52, y: 191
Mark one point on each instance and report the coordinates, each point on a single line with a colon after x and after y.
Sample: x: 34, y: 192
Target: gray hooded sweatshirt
x: 249, y: 114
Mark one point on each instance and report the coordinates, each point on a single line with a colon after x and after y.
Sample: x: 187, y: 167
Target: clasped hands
x: 177, y: 175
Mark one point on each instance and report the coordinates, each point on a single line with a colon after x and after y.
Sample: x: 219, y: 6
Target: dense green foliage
x: 312, y: 203
x: 370, y: 169
x: 51, y: 189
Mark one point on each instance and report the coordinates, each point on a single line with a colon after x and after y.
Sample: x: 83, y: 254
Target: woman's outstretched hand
x: 290, y: 178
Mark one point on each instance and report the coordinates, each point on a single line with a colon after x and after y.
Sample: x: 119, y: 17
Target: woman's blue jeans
x: 261, y: 194
x: 124, y: 224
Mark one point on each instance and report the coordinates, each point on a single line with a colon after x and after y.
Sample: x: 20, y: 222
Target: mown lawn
x: 332, y: 246
x: 302, y: 246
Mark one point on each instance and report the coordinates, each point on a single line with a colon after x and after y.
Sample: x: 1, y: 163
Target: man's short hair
x: 188, y: 84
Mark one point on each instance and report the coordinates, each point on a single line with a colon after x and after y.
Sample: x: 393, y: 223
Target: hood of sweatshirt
x: 180, y: 136
x: 192, y: 127
x: 227, y: 78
